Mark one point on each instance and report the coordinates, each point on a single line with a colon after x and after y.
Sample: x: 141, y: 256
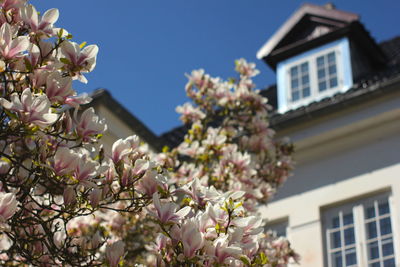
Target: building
x: 338, y: 98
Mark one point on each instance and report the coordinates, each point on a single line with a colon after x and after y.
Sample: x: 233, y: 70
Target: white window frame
x: 315, y: 94
x: 359, y: 221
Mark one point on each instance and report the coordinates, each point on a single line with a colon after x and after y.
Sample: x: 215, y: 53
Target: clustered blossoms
x: 64, y: 201
x: 226, y: 166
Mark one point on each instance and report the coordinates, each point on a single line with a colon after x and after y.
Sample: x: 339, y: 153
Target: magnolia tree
x: 64, y: 201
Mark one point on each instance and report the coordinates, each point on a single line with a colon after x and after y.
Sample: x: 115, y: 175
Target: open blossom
x: 65, y: 161
x: 245, y: 68
x: 90, y: 125
x: 78, y: 61
x: 167, y: 213
x: 40, y: 25
x: 11, y: 47
x: 189, y: 113
x: 58, y: 88
x: 8, y: 206
x: 31, y: 108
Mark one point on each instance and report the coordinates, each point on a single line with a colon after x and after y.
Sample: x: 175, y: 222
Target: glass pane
x: 293, y: 71
x: 335, y: 222
x: 348, y: 219
x: 375, y: 264
x: 321, y: 73
x: 351, y: 257
x: 320, y: 62
x: 386, y: 227
x: 331, y: 57
x: 322, y: 86
x: 349, y: 236
x: 387, y: 247
x: 337, y: 259
x: 304, y: 67
x: 370, y: 212
x: 306, y: 91
x: 332, y: 69
x: 389, y: 263
x: 305, y: 79
x: 371, y: 230
x: 373, y: 251
x: 335, y: 237
x: 332, y: 82
x: 295, y: 83
x: 295, y: 95
x: 384, y: 208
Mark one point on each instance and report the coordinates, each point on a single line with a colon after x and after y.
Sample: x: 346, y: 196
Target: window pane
x: 337, y: 259
x: 335, y: 237
x: 304, y: 67
x: 322, y: 86
x: 386, y: 227
x: 320, y: 62
x: 370, y: 212
x: 335, y: 222
x: 306, y: 92
x: 295, y: 83
x: 387, y: 247
x: 305, y: 79
x: 332, y: 82
x: 332, y: 69
x: 376, y: 264
x: 348, y: 219
x: 371, y: 230
x: 373, y: 251
x: 321, y: 73
x: 293, y: 71
x: 331, y: 57
x: 295, y: 95
x: 389, y: 263
x: 351, y: 257
x: 384, y: 208
x: 349, y: 236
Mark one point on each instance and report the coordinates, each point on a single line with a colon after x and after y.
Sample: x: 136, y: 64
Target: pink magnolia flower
x: 246, y: 69
x: 42, y: 26
x: 8, y: 206
x: 77, y: 61
x: 151, y: 182
x: 120, y: 149
x: 167, y: 213
x: 114, y: 252
x: 31, y: 108
x: 58, y: 88
x: 189, y: 113
x: 86, y: 168
x: 191, y: 237
x: 11, y: 47
x: 65, y: 161
x: 221, y: 250
x: 90, y: 124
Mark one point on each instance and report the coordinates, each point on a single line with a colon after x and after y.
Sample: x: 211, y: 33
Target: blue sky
x: 147, y: 46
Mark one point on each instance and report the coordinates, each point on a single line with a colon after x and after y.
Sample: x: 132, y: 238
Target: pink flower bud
x: 8, y: 206
x: 114, y: 252
x: 69, y: 196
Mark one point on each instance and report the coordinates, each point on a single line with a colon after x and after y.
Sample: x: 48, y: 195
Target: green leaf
x: 65, y: 60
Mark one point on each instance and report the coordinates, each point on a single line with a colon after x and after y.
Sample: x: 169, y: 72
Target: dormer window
x: 313, y: 75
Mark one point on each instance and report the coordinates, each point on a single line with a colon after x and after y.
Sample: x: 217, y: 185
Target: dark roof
x: 313, y: 26
x: 368, y: 87
x: 104, y: 97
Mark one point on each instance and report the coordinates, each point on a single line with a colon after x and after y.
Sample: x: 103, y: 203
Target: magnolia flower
x: 58, y: 88
x: 8, y: 206
x: 191, y: 237
x: 31, y: 108
x: 189, y: 113
x: 120, y: 149
x: 86, y: 168
x: 114, y: 252
x: 151, y: 182
x: 246, y: 69
x: 90, y: 124
x: 221, y: 250
x: 41, y: 26
x: 167, y: 213
x: 65, y: 161
x: 77, y: 61
x: 9, y: 47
